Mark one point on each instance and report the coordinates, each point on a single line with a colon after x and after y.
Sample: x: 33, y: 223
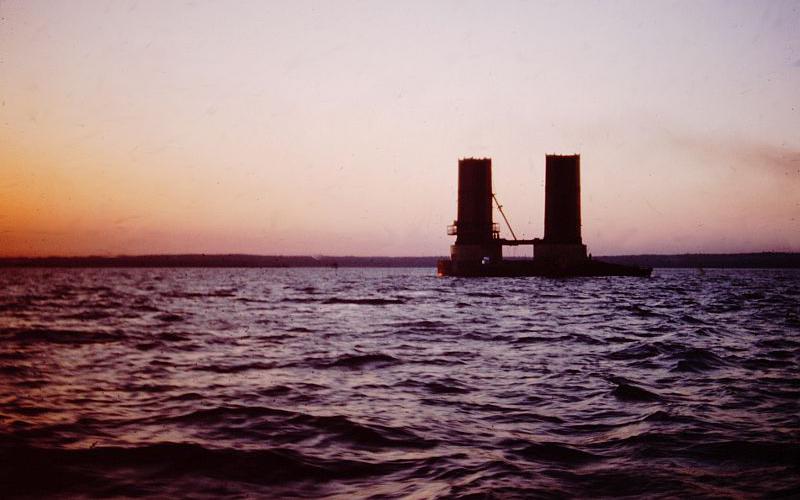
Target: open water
x: 386, y: 383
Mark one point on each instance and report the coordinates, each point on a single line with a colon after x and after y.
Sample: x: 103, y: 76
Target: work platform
x: 478, y: 249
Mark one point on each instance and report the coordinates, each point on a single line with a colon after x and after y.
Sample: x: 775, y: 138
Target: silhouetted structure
x: 478, y: 247
x: 562, y: 199
x: 477, y: 236
x: 562, y: 211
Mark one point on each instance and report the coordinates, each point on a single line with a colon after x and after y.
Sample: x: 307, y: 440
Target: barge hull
x: 521, y: 268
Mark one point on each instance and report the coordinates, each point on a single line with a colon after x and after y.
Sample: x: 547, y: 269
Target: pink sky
x: 335, y: 127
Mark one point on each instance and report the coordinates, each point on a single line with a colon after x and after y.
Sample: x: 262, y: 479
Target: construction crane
x: 500, y: 208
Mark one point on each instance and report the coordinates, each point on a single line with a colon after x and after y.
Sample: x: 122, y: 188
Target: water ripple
x: 388, y: 383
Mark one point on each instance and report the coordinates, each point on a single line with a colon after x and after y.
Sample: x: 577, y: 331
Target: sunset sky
x: 335, y: 128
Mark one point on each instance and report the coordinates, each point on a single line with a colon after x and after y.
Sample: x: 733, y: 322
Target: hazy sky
x: 333, y: 127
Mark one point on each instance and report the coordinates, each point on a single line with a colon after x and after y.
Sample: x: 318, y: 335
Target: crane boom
x: 500, y: 208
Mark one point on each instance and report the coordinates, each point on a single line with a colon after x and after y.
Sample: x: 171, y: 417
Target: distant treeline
x: 235, y: 260
x: 710, y: 260
x: 740, y: 260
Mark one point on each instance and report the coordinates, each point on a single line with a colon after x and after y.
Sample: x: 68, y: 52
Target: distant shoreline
x: 763, y: 260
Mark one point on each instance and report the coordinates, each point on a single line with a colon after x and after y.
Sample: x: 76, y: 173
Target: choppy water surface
x: 390, y: 383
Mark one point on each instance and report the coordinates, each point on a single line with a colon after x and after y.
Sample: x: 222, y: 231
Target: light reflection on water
x: 395, y: 382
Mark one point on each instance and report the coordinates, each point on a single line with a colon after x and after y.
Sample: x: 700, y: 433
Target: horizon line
x: 325, y: 256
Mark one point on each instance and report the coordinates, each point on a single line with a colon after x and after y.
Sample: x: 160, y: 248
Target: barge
x: 478, y: 249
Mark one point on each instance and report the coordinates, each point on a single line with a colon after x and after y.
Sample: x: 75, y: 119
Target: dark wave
x: 152, y: 468
x: 627, y: 391
x: 444, y: 385
x: 757, y: 452
x: 345, y: 301
x: 235, y: 368
x: 549, y: 452
x: 697, y: 360
x: 358, y: 361
x: 59, y: 336
x: 637, y: 351
x: 228, y: 413
x: 364, y: 302
x: 170, y: 318
x: 90, y: 315
x: 277, y: 390
x: 295, y: 427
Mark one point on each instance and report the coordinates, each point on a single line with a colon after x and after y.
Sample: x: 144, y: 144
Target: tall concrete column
x: 476, y: 237
x: 562, y: 202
